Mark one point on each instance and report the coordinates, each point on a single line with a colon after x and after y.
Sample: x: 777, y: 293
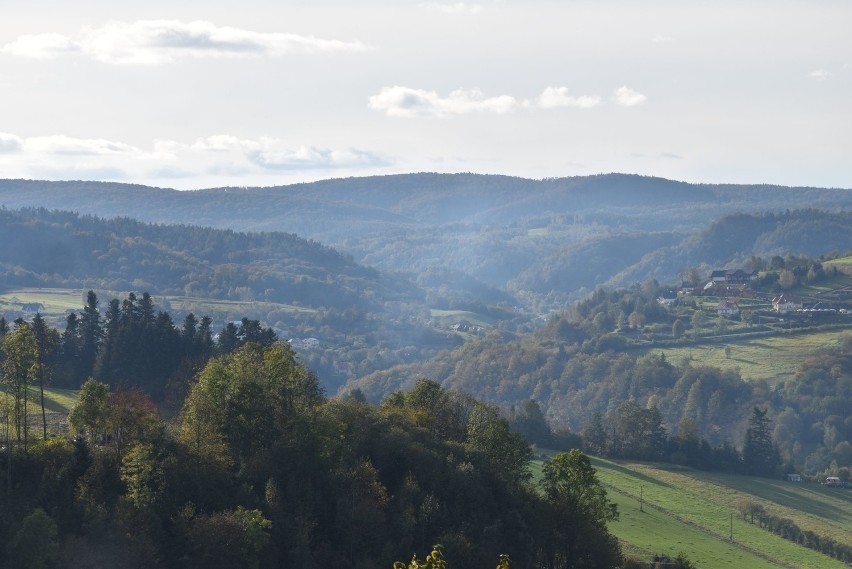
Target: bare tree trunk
x: 41, y: 387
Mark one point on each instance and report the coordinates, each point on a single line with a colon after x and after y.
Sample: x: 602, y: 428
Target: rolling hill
x: 553, y: 239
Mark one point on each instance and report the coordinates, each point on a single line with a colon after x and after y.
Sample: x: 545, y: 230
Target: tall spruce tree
x: 91, y: 335
x: 760, y: 455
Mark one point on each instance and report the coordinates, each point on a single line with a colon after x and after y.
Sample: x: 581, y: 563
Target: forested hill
x: 734, y: 239
x: 61, y: 249
x: 548, y: 241
x: 433, y: 199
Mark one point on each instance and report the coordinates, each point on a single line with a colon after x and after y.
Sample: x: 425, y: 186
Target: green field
x: 55, y: 300
x: 56, y: 400
x: 58, y: 301
x: 446, y: 318
x: 773, y: 359
x: 690, y: 512
x: 841, y: 263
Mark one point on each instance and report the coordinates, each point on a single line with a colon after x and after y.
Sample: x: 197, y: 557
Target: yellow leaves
x: 435, y: 560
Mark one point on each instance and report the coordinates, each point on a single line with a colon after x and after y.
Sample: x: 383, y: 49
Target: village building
x: 727, y: 308
x: 786, y: 303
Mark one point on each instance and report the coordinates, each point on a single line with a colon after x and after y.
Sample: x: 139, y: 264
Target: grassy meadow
x: 696, y: 513
x: 772, y: 358
x: 55, y: 300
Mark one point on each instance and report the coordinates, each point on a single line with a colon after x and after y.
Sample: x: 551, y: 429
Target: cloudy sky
x: 190, y: 94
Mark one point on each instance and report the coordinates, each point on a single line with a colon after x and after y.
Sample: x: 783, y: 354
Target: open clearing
x: 696, y: 513
x: 58, y: 301
x: 772, y: 358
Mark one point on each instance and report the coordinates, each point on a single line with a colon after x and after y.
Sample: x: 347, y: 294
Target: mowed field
x: 58, y: 301
x: 773, y: 358
x: 696, y: 513
x: 55, y: 300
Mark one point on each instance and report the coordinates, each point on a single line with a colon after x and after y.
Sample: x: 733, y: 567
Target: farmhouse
x: 667, y: 297
x: 786, y: 303
x: 727, y: 308
x: 304, y: 343
x: 718, y: 276
x: 32, y: 307
x: 734, y: 276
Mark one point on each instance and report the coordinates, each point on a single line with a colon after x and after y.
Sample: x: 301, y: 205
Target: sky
x: 195, y: 94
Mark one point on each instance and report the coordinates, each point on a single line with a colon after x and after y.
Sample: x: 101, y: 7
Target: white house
x: 727, y: 308
x: 667, y: 297
x: 786, y: 303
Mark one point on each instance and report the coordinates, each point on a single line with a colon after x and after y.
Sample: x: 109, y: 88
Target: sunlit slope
x: 697, y: 513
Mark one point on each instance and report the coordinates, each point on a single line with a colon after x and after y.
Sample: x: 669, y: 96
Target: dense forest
x: 456, y: 320
x: 581, y: 369
x: 576, y: 366
x: 260, y: 469
x: 544, y: 242
x: 62, y: 249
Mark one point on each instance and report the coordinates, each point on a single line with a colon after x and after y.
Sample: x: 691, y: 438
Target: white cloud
x: 151, y: 42
x: 627, y: 97
x: 41, y: 46
x: 64, y: 157
x: 400, y: 101
x: 223, y: 143
x: 451, y: 8
x: 660, y: 38
x: 820, y: 74
x: 311, y: 157
x: 553, y: 97
x: 10, y: 143
x: 61, y: 144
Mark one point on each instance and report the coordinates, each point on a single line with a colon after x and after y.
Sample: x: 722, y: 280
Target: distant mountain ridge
x: 562, y: 236
x: 405, y: 198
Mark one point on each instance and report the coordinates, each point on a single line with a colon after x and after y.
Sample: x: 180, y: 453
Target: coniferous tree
x: 595, y: 438
x: 69, y: 353
x: 760, y: 455
x: 91, y: 335
x: 228, y: 339
x: 252, y: 331
x: 105, y: 367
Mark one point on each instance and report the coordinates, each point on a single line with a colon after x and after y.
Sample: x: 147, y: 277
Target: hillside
x: 528, y: 237
x: 696, y: 513
x: 43, y: 248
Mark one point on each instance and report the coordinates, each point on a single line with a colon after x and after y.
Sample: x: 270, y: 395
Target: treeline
x: 630, y: 431
x: 780, y: 273
x: 130, y: 345
x: 788, y: 529
x: 261, y: 470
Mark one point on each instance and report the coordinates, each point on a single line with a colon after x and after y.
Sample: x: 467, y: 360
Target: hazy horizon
x: 190, y: 95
